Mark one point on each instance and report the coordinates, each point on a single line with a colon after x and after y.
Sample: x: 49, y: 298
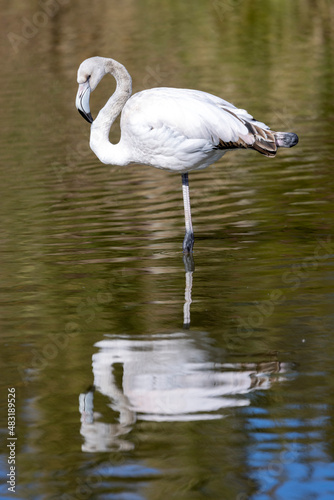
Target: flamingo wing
x: 181, y: 125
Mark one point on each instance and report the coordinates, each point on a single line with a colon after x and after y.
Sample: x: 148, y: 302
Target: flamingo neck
x: 100, y: 128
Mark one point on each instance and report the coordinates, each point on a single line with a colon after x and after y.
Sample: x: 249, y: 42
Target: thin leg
x: 188, y: 242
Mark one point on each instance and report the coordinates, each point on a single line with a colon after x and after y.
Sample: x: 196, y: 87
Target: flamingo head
x: 90, y: 73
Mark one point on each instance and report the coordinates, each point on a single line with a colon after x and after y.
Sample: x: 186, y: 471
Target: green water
x: 135, y: 380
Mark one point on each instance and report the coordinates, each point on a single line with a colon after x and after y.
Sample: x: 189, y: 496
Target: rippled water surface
x: 135, y: 377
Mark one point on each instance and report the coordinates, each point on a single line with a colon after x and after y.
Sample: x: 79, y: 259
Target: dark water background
x: 115, y: 397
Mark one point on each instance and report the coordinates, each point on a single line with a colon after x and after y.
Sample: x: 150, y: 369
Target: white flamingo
x: 173, y: 129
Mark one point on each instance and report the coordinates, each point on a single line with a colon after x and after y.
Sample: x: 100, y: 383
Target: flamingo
x: 174, y: 129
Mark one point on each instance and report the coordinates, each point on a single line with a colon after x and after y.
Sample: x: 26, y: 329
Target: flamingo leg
x: 188, y: 242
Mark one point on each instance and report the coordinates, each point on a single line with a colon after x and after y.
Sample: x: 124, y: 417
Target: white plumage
x: 180, y: 129
x: 173, y: 129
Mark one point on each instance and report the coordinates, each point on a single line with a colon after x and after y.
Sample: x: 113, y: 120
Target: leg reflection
x: 189, y: 267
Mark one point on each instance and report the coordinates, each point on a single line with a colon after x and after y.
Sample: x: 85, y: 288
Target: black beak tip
x: 86, y: 116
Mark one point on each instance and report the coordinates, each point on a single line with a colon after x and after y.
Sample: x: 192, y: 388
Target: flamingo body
x: 179, y: 129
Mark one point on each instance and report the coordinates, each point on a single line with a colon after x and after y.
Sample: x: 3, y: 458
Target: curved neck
x: 99, y: 135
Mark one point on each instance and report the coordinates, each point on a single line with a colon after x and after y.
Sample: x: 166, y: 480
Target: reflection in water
x: 189, y: 268
x: 165, y: 377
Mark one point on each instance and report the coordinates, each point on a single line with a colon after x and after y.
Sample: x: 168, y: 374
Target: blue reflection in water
x: 289, y: 464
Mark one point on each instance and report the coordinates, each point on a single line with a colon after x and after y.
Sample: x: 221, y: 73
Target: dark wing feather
x: 262, y: 140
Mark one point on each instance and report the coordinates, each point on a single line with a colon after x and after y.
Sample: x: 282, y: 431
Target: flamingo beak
x: 82, y: 101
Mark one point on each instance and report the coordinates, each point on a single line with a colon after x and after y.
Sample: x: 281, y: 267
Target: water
x: 135, y: 379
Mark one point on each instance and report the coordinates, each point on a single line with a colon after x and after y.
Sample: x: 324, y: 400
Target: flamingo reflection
x: 164, y: 378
